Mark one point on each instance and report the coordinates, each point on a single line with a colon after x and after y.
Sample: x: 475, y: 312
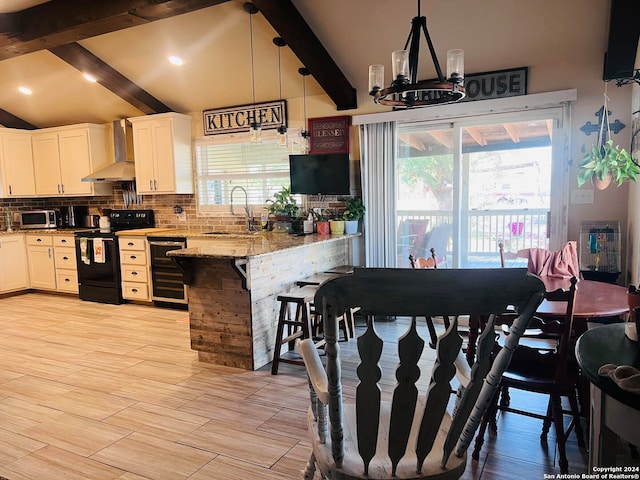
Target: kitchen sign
x: 329, y: 135
x: 270, y: 115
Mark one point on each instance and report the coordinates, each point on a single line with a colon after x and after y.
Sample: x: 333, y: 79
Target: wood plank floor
x: 92, y: 391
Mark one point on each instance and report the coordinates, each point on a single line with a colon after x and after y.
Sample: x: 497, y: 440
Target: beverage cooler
x: 600, y: 245
x: 169, y: 289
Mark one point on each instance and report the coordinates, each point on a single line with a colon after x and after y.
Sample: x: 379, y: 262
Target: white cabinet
x: 62, y: 156
x: 134, y: 268
x: 13, y: 263
x: 64, y: 251
x: 162, y: 149
x: 16, y: 164
x: 42, y: 267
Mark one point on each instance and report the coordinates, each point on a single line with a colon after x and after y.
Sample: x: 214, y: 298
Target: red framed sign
x: 329, y: 134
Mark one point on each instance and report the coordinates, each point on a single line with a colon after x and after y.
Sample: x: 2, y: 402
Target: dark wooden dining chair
x: 415, y: 434
x: 430, y: 262
x: 553, y: 373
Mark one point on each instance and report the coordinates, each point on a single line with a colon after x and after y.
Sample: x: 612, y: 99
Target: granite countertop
x: 251, y: 245
x: 48, y: 231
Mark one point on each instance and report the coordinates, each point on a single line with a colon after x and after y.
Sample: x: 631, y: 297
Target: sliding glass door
x: 464, y: 187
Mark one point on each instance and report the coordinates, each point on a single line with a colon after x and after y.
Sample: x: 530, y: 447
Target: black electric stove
x: 98, y: 259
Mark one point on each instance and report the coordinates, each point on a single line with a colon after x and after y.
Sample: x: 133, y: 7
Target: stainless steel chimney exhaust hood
x: 123, y: 170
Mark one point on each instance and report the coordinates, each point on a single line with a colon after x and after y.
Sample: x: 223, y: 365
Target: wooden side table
x: 614, y: 412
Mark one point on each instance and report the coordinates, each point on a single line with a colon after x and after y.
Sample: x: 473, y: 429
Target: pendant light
x: 255, y: 129
x: 305, y: 133
x: 282, y: 129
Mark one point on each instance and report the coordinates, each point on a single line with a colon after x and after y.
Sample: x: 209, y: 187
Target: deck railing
x: 484, y: 229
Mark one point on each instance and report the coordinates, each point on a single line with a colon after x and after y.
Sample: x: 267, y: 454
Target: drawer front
x: 67, y: 280
x: 133, y: 244
x: 65, y: 258
x: 135, y: 291
x: 133, y: 258
x: 39, y: 240
x: 63, y: 241
x: 134, y: 274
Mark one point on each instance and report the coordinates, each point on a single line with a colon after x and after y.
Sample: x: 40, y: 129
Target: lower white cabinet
x: 42, y: 266
x: 134, y: 268
x: 52, y: 262
x: 65, y: 260
x: 13, y: 263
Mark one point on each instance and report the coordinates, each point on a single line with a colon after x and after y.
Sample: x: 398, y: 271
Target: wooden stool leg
x: 279, y: 332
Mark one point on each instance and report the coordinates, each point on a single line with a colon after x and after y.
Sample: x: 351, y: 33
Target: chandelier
x: 406, y: 90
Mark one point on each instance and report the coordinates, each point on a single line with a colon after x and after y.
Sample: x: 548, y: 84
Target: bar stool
x: 297, y: 327
x: 341, y: 269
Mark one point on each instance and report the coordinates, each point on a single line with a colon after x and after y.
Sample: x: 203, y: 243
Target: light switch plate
x: 582, y: 196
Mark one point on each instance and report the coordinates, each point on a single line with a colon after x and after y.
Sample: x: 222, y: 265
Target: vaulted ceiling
x: 96, y: 36
x: 45, y: 45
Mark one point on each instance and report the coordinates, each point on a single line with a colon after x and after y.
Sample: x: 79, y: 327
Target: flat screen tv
x: 320, y: 174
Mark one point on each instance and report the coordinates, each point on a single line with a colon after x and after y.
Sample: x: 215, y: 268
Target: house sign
x: 270, y: 115
x: 498, y: 84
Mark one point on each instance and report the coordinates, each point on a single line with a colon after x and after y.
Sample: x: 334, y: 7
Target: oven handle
x: 168, y: 244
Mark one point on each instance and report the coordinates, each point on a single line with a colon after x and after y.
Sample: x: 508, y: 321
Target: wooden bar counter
x: 233, y: 284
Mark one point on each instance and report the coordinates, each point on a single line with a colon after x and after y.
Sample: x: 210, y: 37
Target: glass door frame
x: 558, y: 117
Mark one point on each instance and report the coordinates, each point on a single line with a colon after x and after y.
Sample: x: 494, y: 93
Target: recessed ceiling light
x: 90, y: 78
x: 175, y: 60
x: 25, y: 90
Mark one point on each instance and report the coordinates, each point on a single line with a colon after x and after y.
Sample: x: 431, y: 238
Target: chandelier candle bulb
x: 376, y: 77
x: 455, y: 64
x: 400, y: 65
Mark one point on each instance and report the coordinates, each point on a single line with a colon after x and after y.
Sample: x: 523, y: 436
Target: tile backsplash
x: 162, y: 205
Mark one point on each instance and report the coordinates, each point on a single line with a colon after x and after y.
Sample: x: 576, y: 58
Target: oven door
x: 104, y: 272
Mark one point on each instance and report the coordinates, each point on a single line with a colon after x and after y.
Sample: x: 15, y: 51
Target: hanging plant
x: 605, y: 162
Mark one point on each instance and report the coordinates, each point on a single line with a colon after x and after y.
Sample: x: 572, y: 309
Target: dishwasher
x: 168, y: 288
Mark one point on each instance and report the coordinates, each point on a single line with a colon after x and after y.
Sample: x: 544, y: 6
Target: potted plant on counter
x: 283, y: 207
x: 322, y: 223
x: 354, y: 212
x: 336, y: 223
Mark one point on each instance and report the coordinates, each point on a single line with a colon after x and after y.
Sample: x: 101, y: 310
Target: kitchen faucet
x: 246, y: 205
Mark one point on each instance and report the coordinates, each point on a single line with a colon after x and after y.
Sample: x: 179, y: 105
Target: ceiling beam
x: 83, y: 60
x: 59, y: 22
x: 9, y: 120
x: 294, y: 30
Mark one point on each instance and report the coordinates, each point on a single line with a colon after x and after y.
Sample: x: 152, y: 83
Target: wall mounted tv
x: 320, y: 174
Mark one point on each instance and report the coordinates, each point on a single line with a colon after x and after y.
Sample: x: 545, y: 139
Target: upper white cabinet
x: 16, y: 164
x: 162, y: 149
x: 63, y: 155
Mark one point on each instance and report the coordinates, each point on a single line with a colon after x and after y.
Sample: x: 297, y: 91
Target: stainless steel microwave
x: 39, y: 219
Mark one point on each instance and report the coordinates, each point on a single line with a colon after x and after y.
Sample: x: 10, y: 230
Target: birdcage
x: 600, y: 250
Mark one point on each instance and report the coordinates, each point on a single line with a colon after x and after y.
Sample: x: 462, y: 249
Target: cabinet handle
x: 38, y: 239
x: 133, y: 257
x: 150, y: 184
x: 65, y: 258
x: 134, y: 273
x: 134, y: 290
x: 59, y: 188
x: 130, y: 244
x: 155, y: 185
x: 67, y: 280
x: 63, y: 241
x: 49, y: 252
x: 9, y: 189
x: 63, y: 188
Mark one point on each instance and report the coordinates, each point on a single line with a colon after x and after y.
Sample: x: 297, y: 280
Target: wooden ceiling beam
x: 83, y: 60
x: 476, y: 134
x: 512, y: 131
x: 9, y: 120
x: 294, y: 30
x: 59, y: 22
